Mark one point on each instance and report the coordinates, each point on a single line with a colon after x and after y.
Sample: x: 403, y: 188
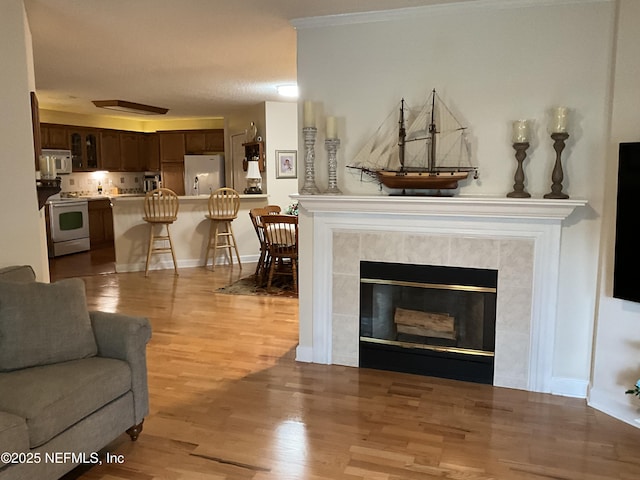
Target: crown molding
x: 430, y: 11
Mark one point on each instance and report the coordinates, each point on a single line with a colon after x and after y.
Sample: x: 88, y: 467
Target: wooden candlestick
x: 518, y: 186
x: 557, y: 175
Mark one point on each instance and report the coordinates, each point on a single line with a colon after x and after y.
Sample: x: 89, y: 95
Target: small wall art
x: 287, y: 163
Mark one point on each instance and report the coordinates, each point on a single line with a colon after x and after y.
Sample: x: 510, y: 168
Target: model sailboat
x: 426, y: 149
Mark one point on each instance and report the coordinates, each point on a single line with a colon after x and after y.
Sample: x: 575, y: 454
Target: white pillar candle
x: 309, y: 117
x: 559, y: 119
x: 520, y: 131
x: 51, y: 169
x: 331, y: 128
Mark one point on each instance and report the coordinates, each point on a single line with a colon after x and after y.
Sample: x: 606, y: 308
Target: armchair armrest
x: 125, y: 338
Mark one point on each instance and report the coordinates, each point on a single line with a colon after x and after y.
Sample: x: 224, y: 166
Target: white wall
x: 492, y: 62
x: 616, y: 365
x: 23, y: 239
x: 281, y: 134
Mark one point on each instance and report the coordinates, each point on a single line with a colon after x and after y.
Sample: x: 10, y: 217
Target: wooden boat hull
x: 420, y: 180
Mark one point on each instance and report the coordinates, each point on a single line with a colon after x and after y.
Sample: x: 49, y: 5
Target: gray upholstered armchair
x: 71, y: 381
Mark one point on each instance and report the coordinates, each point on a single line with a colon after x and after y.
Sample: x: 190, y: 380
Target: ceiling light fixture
x: 288, y: 90
x: 130, y: 107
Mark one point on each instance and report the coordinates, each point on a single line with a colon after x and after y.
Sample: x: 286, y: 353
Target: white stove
x: 68, y: 225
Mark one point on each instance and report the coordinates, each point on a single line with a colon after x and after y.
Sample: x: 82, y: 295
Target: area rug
x: 248, y: 286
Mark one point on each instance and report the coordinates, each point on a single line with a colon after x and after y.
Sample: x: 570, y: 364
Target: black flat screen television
x: 626, y: 274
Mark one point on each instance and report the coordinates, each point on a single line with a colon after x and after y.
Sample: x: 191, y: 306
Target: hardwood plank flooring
x: 229, y: 402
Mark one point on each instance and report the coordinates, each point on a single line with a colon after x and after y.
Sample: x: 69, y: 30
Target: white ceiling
x: 199, y: 58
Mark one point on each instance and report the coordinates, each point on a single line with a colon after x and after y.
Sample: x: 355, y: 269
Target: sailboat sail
x: 418, y: 149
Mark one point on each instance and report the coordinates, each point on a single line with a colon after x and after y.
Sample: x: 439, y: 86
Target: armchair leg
x: 134, y: 431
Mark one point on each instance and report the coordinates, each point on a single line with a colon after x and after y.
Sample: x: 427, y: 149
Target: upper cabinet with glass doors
x: 84, y: 148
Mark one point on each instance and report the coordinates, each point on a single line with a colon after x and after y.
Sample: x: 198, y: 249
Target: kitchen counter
x: 189, y: 197
x: 189, y: 232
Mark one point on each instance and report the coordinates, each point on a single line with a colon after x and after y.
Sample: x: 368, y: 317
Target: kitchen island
x: 190, y: 233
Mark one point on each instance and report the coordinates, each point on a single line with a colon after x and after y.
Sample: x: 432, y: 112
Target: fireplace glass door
x: 431, y: 320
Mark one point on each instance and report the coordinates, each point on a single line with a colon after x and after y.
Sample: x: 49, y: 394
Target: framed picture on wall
x: 287, y: 162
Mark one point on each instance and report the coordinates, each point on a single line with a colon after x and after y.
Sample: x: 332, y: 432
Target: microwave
x: 62, y: 159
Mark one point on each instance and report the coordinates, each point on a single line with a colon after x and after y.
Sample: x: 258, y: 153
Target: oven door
x: 69, y: 220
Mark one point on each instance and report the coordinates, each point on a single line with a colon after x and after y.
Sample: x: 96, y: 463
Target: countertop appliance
x: 62, y: 159
x: 68, y: 225
x: 151, y: 181
x: 203, y: 174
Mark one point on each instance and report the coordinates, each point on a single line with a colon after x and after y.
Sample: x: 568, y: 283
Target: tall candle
x: 331, y: 127
x: 520, y: 131
x: 559, y: 119
x: 309, y: 117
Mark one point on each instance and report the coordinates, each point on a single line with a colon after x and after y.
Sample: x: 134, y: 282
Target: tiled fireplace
x: 520, y: 238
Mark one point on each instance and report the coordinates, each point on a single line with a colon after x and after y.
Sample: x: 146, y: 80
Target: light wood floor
x: 228, y: 401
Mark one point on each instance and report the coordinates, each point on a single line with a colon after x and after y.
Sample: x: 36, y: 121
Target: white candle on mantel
x: 309, y: 117
x: 332, y: 131
x: 559, y: 119
x: 520, y: 131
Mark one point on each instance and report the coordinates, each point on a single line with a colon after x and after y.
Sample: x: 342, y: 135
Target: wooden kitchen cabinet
x: 172, y: 147
x: 173, y: 176
x: 84, y: 145
x: 100, y: 223
x: 130, y: 158
x: 150, y: 152
x: 110, y: 150
x: 204, y: 141
x: 54, y: 136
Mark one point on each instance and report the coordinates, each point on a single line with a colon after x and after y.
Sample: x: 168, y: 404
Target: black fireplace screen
x: 426, y: 319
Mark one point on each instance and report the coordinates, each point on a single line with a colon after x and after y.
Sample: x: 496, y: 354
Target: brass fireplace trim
x: 465, y: 351
x: 436, y: 286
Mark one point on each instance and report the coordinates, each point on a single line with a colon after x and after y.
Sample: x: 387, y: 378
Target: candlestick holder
x: 518, y: 186
x: 332, y: 144
x: 309, y: 187
x: 559, y: 139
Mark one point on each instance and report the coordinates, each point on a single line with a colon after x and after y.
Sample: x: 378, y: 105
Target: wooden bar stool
x: 160, y: 208
x: 224, y: 204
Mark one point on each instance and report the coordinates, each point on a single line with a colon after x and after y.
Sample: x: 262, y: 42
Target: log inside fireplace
x: 428, y: 320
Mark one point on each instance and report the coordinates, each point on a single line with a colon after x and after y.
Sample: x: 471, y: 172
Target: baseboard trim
x: 168, y: 264
x: 618, y: 408
x: 304, y: 354
x: 569, y: 387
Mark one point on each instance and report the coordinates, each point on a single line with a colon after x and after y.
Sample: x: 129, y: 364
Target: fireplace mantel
x: 518, y: 237
x: 459, y: 206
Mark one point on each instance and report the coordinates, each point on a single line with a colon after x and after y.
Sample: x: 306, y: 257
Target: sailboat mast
x: 402, y: 133
x: 432, y: 134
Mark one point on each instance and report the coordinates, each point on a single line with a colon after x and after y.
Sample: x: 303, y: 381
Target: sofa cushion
x: 53, y: 397
x: 18, y: 274
x: 14, y: 436
x: 44, y: 323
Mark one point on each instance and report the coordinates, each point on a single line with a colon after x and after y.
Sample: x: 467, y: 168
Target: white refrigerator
x: 203, y: 174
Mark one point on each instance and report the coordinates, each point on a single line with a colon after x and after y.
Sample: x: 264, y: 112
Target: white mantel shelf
x: 458, y: 206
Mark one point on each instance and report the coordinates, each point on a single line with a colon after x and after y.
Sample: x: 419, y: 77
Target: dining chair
x: 160, y: 209
x: 256, y: 214
x: 224, y: 204
x: 281, y: 232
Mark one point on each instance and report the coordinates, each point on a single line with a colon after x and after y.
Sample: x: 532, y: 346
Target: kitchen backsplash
x: 87, y: 183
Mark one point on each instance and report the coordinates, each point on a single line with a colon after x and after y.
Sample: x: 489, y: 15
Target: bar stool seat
x: 224, y: 204
x: 160, y: 209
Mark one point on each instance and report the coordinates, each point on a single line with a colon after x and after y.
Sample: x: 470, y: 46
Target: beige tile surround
x: 513, y: 258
